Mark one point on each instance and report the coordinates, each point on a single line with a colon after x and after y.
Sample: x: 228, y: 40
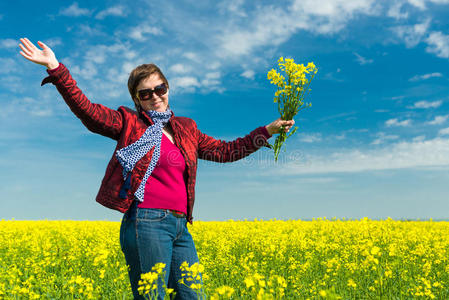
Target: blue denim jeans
x: 149, y: 236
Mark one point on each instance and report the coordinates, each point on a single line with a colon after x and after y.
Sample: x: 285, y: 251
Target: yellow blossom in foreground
x: 272, y: 259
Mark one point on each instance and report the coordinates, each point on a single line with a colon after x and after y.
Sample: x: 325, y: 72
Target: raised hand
x: 44, y: 57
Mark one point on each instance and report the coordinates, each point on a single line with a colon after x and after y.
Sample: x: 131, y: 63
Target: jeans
x: 149, y: 236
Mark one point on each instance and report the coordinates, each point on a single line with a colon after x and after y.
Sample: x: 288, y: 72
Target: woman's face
x: 157, y: 103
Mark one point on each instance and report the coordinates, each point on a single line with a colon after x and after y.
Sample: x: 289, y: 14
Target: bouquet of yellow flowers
x: 290, y: 93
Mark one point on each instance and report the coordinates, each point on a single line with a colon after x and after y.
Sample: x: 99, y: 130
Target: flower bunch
x: 291, y: 92
x: 193, y: 274
x: 148, y: 283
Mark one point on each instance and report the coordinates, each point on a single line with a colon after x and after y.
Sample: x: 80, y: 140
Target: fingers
x: 26, y: 56
x: 26, y: 45
x: 26, y: 51
x: 42, y: 44
x: 30, y: 44
x: 288, y: 122
x: 283, y: 125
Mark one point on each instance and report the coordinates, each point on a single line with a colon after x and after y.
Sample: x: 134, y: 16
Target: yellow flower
x: 249, y: 282
x: 195, y: 286
x: 351, y: 283
x: 375, y: 250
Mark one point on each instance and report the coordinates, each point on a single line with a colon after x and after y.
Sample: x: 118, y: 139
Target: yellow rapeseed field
x: 319, y: 259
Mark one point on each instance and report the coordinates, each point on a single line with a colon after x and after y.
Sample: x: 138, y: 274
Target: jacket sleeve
x: 96, y: 117
x: 222, y: 151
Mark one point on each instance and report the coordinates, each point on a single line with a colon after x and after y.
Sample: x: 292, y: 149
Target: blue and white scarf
x: 131, y: 154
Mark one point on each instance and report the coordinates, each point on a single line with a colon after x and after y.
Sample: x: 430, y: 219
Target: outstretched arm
x: 96, y: 117
x: 222, y: 151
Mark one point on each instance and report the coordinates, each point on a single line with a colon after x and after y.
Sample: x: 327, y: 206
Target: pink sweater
x: 166, y: 186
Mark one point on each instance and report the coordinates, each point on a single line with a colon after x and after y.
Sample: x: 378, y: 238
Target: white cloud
x: 117, y: 11
x: 323, y: 17
x: 95, y: 56
x: 426, y: 104
x: 419, y: 138
x: 84, y: 29
x: 425, y: 76
x: 213, y: 65
x: 310, y: 138
x: 248, y: 74
x: 27, y: 105
x: 12, y: 83
x: 337, y: 116
x: 88, y: 71
x: 140, y: 33
x: 395, y: 122
x: 127, y: 67
x: 232, y: 6
x: 362, y: 60
x: 334, y: 76
x: 213, y: 75
x: 401, y: 155
x: 74, y: 11
x: 191, y: 56
x: 397, y: 97
x: 382, y: 137
x: 340, y: 137
x: 8, y: 65
x: 444, y: 131
x: 9, y: 43
x: 115, y: 75
x: 318, y: 180
x: 412, y: 35
x: 421, y: 4
x: 100, y: 53
x: 53, y: 42
x: 180, y: 68
x: 130, y: 54
x: 438, y: 120
x: 186, y: 83
x: 41, y: 112
x: 395, y: 11
x: 211, y: 79
x: 438, y: 44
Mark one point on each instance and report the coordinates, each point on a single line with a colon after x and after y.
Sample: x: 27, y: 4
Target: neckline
x: 168, y: 139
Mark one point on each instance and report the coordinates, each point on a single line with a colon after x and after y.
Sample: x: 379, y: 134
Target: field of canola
x: 319, y: 259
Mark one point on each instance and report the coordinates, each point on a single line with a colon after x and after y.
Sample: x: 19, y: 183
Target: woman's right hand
x: 44, y: 57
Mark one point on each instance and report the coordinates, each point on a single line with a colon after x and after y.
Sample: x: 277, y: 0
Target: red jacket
x: 126, y: 126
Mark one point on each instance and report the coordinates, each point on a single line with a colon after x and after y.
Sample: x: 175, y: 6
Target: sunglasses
x: 147, y: 94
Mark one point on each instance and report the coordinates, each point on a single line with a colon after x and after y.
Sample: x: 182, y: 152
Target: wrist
x: 269, y: 130
x: 52, y: 65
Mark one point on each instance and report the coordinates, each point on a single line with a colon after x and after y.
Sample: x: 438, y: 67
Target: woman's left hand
x: 275, y: 126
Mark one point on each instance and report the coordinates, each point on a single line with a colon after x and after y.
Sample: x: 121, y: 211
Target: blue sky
x: 374, y: 144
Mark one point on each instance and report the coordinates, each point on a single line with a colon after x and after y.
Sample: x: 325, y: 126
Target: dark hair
x: 140, y: 73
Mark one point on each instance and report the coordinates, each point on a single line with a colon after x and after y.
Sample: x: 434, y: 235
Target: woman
x: 151, y: 176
